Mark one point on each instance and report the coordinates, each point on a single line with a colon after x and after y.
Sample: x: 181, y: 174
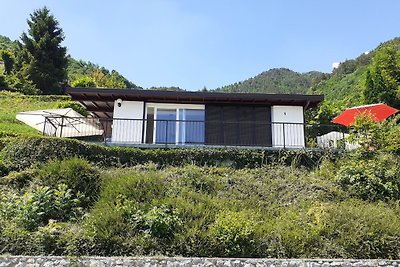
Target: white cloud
x: 335, y: 65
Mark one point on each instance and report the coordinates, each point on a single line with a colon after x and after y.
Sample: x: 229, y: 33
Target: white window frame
x: 177, y: 108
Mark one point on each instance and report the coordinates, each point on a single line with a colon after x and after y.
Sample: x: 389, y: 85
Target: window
x: 191, y: 126
x: 166, y: 126
x: 179, y: 126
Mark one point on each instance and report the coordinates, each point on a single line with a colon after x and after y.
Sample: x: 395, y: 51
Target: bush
x: 42, y: 204
x: 159, y: 221
x: 77, y: 174
x: 23, y: 153
x: 75, y: 106
x: 355, y: 229
x: 19, y: 180
x: 233, y: 234
x: 376, y: 178
x: 4, y: 170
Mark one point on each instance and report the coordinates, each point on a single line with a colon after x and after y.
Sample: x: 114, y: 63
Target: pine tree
x: 42, y: 54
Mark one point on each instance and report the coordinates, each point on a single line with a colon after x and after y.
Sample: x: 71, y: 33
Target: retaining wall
x: 37, y: 261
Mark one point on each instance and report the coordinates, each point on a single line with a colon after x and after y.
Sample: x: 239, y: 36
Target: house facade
x: 198, y: 118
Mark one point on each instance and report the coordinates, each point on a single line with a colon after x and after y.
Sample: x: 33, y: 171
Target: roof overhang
x: 101, y: 101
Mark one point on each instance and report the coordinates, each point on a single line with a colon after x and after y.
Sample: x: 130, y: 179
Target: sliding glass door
x: 187, y: 128
x: 191, y: 126
x: 166, y: 126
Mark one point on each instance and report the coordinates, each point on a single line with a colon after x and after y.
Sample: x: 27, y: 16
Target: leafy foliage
x: 267, y: 210
x: 39, y: 205
x: 74, y: 105
x: 373, y: 136
x: 25, y: 153
x: 8, y: 59
x: 375, y: 178
x: 12, y: 103
x: 84, y: 82
x: 78, y: 175
x: 87, y: 74
x: 277, y: 81
x: 383, y: 77
x: 7, y: 44
x: 370, y: 78
x: 232, y: 233
x: 44, y: 59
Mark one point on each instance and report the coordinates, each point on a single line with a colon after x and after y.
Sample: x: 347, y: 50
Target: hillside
x: 347, y: 82
x: 64, y: 197
x: 76, y: 68
x: 6, y: 43
x: 12, y: 103
x: 276, y: 81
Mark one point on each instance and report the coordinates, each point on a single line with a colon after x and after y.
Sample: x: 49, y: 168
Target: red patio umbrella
x: 378, y: 112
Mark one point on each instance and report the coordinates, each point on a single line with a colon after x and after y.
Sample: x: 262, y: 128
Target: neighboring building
x: 198, y: 118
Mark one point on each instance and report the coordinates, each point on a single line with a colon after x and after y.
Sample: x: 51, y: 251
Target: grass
x: 12, y: 103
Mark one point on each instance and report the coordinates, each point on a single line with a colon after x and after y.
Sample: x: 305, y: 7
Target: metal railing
x: 198, y: 133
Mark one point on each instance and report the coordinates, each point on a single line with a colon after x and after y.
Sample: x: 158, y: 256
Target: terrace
x: 196, y: 133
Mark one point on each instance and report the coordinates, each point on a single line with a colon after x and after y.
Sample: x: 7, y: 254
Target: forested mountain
x: 6, y: 43
x: 348, y: 82
x: 280, y: 80
x: 101, y: 76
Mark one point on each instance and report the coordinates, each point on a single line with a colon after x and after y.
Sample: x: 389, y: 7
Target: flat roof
x: 100, y: 101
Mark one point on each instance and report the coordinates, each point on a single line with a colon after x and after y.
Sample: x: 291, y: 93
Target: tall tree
x: 383, y: 78
x: 42, y: 53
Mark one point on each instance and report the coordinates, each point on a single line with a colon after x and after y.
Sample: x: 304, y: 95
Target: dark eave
x: 101, y: 101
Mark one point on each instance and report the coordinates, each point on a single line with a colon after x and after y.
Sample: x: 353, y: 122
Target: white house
x: 198, y: 118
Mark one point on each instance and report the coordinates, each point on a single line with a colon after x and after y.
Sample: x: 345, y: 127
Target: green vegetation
x: 86, y: 74
x: 277, y: 81
x: 350, y: 84
x: 12, y: 103
x: 65, y: 197
x: 41, y: 57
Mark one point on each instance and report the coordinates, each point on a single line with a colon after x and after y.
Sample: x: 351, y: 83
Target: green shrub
x: 376, y: 178
x: 160, y: 221
x: 4, y: 169
x: 44, y: 241
x: 42, y: 204
x: 355, y: 229
x: 16, y: 241
x: 75, y: 106
x: 287, y: 234
x: 19, y: 180
x: 232, y: 234
x: 23, y: 153
x: 81, y: 177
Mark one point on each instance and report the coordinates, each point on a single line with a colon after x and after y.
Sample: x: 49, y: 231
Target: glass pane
x: 194, y: 126
x: 166, y: 126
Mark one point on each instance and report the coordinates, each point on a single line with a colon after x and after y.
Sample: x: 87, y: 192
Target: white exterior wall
x: 285, y: 130
x: 128, y: 131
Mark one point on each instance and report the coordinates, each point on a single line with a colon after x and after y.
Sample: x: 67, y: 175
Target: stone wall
x: 21, y: 261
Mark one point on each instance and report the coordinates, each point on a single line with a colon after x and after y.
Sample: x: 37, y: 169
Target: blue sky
x: 192, y: 44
